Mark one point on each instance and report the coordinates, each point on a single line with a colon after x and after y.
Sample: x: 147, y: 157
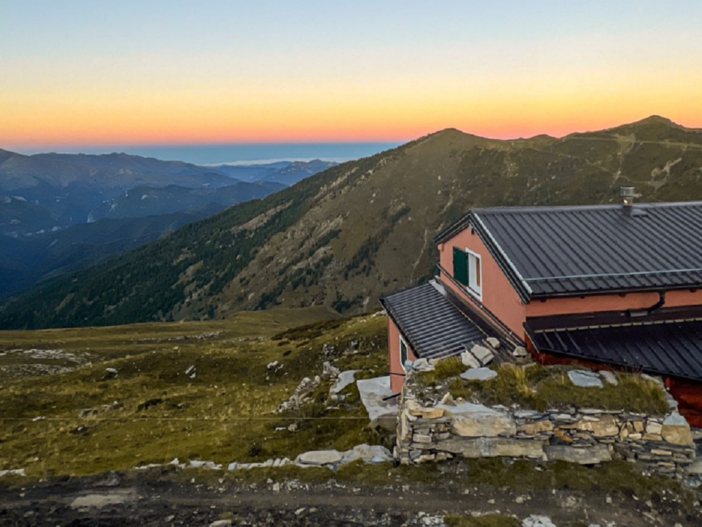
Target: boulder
x: 538, y: 521
x: 477, y: 420
x: 479, y: 374
x: 484, y: 355
x: 585, y: 379
x: 493, y: 342
x: 537, y: 427
x: 584, y: 456
x: 676, y: 430
x: 469, y: 360
x: 376, y: 397
x: 319, y: 457
x: 491, y: 447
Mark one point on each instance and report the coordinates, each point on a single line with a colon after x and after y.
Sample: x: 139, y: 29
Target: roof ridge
x: 575, y: 208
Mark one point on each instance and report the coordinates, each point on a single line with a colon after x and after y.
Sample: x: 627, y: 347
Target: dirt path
x: 147, y: 502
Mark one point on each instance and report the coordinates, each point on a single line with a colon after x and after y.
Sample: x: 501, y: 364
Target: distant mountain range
x: 349, y: 234
x: 47, y: 200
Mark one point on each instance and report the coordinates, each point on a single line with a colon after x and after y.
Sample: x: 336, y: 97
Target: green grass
x: 224, y: 414
x: 443, y: 370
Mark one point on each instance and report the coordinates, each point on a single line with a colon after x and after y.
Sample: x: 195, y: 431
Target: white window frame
x: 472, y: 287
x: 403, y: 342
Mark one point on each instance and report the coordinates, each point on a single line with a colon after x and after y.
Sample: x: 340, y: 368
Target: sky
x: 92, y: 74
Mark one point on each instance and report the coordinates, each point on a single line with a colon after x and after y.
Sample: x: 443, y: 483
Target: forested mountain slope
x: 348, y: 235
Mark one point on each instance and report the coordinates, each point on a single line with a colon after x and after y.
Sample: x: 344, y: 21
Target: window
x: 467, y: 270
x: 403, y: 352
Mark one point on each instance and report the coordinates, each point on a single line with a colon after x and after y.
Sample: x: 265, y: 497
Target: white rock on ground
x: 538, y: 521
x: 344, y: 379
x: 585, y: 379
x: 478, y: 374
x: 374, y: 393
x: 13, y: 472
x: 319, y: 458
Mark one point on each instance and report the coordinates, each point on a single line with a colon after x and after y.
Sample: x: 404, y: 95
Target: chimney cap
x: 628, y: 194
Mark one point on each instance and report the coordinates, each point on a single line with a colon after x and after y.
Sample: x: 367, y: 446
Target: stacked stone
x: 586, y: 436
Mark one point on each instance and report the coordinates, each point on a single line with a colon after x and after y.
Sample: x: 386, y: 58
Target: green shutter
x: 460, y: 266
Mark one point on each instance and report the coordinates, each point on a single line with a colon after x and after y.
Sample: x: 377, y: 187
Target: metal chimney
x: 628, y: 194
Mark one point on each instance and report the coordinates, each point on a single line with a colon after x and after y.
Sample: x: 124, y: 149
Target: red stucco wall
x: 397, y: 379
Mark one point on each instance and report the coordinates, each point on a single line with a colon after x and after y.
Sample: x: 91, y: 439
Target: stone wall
x: 662, y: 444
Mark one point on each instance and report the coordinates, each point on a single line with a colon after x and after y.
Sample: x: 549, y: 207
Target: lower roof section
x: 433, y: 326
x: 669, y: 343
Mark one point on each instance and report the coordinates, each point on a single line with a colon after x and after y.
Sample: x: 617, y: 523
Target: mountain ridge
x: 347, y: 235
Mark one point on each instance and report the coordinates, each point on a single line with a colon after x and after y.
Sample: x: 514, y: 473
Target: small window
x: 403, y: 352
x: 467, y: 270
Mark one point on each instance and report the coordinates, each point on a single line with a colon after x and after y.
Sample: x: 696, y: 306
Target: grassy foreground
x: 89, y: 420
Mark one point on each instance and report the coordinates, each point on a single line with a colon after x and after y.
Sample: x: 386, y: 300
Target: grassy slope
x: 352, y: 233
x: 162, y: 413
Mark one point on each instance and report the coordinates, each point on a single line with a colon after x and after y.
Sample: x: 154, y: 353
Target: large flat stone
x: 319, y: 457
x: 381, y: 411
x: 469, y: 360
x: 491, y: 447
x: 483, y: 354
x: 605, y: 426
x: 371, y: 454
x: 478, y: 374
x: 585, y: 379
x: 477, y: 420
x: 584, y: 456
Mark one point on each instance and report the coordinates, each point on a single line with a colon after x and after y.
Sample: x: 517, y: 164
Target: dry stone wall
x: 663, y: 444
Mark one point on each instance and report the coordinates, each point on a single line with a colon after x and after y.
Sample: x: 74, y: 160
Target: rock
x: 520, y: 352
x: 191, y: 372
x: 13, y: 472
x: 272, y: 365
x: 477, y: 420
x: 98, y: 501
x: 537, y: 521
x: 233, y: 466
x: 415, y: 409
x: 585, y: 379
x: 113, y: 372
x: 605, y: 426
x: 478, y: 374
x: 609, y: 377
x: 584, y: 456
x: 491, y: 447
x: 221, y: 523
x: 676, y: 430
x: 374, y: 454
x: 343, y: 380
x: 653, y: 427
x: 319, y: 457
x: 422, y: 365
x: 484, y: 355
x: 493, y: 342
x: 376, y: 397
x: 468, y: 359
x: 537, y: 427
x: 695, y: 469
x: 330, y: 370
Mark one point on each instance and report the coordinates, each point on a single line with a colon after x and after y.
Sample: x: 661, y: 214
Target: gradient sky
x: 77, y: 73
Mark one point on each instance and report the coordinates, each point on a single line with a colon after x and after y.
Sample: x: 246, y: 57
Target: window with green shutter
x: 460, y: 266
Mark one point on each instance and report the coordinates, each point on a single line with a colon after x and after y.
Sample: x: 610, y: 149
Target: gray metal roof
x: 665, y: 347
x: 433, y: 326
x: 567, y: 251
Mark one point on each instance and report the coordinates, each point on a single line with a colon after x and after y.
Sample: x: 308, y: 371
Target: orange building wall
x: 397, y: 379
x: 500, y: 297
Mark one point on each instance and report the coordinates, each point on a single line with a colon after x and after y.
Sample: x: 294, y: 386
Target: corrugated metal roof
x: 566, y: 251
x: 433, y: 326
x: 670, y: 347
